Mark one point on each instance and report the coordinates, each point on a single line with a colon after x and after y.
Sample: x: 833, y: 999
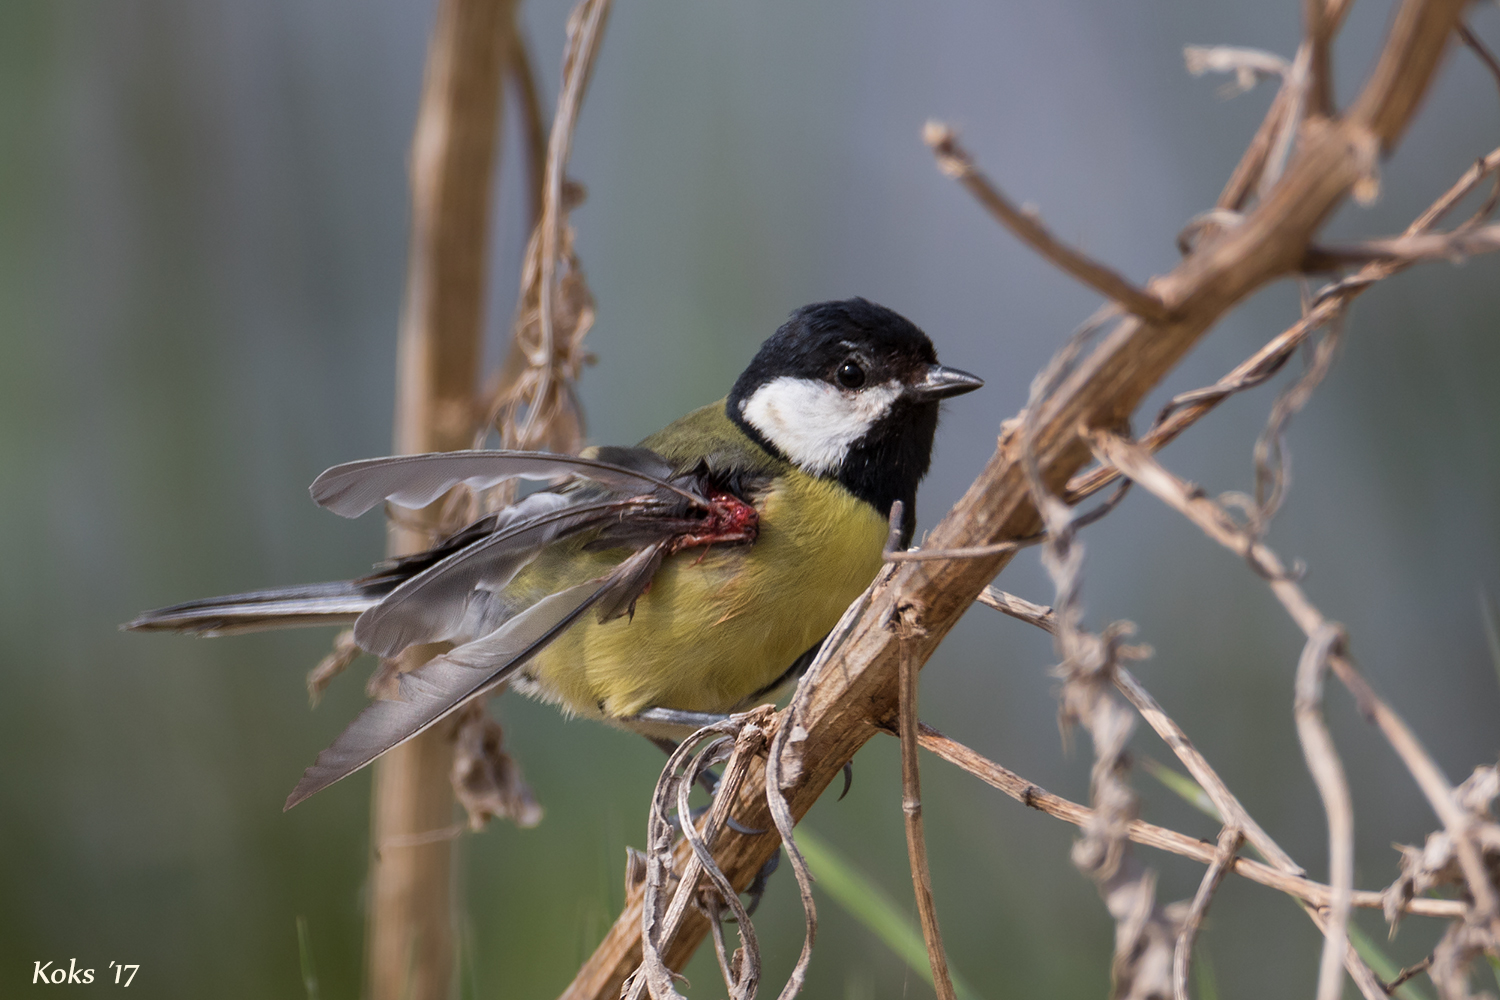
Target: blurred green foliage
x: 202, y: 239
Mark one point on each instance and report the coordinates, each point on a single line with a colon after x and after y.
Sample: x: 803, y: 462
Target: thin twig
x: 954, y: 161
x: 1477, y: 46
x: 1370, y: 986
x: 533, y: 126
x: 916, y: 841
x: 1187, y: 408
x: 1246, y: 178
x: 1139, y: 465
x: 1410, y: 972
x: 1182, y: 956
x: 1407, y: 250
x: 970, y: 552
x: 1149, y: 835
x: 1246, y: 175
x: 1034, y: 614
x: 1290, y: 125
x: 1328, y: 774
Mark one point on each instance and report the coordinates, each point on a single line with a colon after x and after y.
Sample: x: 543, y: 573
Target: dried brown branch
x: 954, y: 161
x: 841, y: 701
x: 916, y: 841
x: 344, y: 652
x: 968, y: 552
x: 1019, y: 608
x: 1187, y: 408
x: 1149, y: 835
x: 1229, y: 843
x: 1454, y: 246
x: 1318, y: 30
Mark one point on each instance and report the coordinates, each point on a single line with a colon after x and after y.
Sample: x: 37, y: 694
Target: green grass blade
x: 1491, y: 616
x: 1208, y: 984
x: 304, y: 955
x: 867, y: 902
x: 1175, y: 781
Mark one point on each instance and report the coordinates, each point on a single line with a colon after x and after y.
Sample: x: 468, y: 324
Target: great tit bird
x: 690, y: 576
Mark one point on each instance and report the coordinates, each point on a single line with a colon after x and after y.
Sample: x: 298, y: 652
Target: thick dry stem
x: 409, y: 942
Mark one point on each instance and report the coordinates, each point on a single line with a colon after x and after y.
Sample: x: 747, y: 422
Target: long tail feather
x: 259, y: 610
x: 443, y: 684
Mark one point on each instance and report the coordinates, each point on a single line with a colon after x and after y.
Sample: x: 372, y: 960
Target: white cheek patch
x: 814, y: 423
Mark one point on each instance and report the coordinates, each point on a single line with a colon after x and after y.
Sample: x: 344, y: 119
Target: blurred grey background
x: 203, y: 213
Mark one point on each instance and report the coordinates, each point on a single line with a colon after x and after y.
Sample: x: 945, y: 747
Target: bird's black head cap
x: 849, y: 390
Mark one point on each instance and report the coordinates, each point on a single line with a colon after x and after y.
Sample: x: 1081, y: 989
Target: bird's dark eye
x: 850, y: 375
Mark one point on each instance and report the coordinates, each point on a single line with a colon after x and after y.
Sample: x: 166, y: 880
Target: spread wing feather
x: 443, y: 684
x: 432, y: 605
x: 415, y: 481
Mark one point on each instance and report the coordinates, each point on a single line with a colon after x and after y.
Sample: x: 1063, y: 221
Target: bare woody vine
x: 1308, y: 155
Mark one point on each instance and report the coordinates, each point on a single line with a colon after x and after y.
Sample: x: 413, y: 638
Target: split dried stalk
x: 531, y: 400
x: 1338, y: 804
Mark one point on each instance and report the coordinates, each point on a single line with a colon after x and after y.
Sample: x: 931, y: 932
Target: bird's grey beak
x: 940, y: 383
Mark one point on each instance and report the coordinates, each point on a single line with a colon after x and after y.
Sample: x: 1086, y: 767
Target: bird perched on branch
x: 653, y: 587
